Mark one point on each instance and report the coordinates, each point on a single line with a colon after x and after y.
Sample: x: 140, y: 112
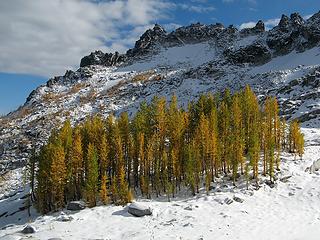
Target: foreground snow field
x: 290, y: 210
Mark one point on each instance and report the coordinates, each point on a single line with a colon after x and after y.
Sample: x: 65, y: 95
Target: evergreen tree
x: 92, y: 175
x: 103, y: 190
x: 76, y: 156
x: 58, y: 176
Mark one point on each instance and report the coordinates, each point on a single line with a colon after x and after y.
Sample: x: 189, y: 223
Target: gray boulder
x: 139, y: 210
x: 237, y: 199
x: 76, y: 205
x: 28, y: 230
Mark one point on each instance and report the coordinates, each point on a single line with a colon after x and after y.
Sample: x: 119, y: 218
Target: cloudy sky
x: 43, y: 38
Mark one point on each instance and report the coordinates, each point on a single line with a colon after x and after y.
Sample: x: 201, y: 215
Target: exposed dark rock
x: 271, y: 184
x: 237, y: 199
x: 189, y: 208
x: 228, y: 201
x: 28, y: 230
x: 285, y: 179
x: 294, y: 33
x: 296, y: 20
x: 100, y: 58
x: 255, y: 54
x: 76, y: 205
x: 193, y: 33
x: 31, y: 96
x: 284, y: 22
x: 138, y: 210
x: 308, y: 116
x: 150, y: 38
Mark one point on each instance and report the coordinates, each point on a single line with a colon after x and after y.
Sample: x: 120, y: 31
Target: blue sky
x: 43, y: 38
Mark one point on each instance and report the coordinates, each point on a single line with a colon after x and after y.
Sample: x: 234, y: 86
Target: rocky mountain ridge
x: 292, y: 33
x: 284, y: 61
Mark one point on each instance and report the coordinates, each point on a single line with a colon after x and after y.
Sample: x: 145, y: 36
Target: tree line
x: 162, y: 148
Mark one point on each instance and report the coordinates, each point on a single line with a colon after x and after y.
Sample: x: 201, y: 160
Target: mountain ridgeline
x: 292, y: 33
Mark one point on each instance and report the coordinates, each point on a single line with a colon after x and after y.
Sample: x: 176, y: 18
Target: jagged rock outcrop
x: 149, y: 39
x: 256, y: 54
x: 294, y: 33
x: 194, y: 33
x: 100, y: 58
x: 285, y: 37
x: 258, y: 28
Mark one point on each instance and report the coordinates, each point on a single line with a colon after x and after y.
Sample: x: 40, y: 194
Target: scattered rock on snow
x: 28, y: 229
x: 76, y: 205
x: 139, y: 210
x: 314, y: 167
x: 285, y: 179
x: 228, y: 201
x: 189, y: 208
x: 64, y: 217
x: 271, y: 184
x: 237, y: 199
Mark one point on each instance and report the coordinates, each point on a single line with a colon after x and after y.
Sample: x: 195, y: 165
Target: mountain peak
x: 284, y: 21
x: 296, y: 19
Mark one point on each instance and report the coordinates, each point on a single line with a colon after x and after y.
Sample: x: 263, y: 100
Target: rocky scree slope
x: 284, y: 62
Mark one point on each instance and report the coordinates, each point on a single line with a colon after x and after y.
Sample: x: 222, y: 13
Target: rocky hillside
x: 284, y: 61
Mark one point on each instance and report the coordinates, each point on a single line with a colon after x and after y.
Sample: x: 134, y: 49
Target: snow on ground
x: 292, y: 60
x: 243, y: 42
x: 291, y: 210
x: 190, y: 55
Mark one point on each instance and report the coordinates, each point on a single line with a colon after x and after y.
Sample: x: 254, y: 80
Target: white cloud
x: 247, y: 25
x: 171, y: 26
x: 271, y: 23
x: 193, y: 8
x: 46, y: 37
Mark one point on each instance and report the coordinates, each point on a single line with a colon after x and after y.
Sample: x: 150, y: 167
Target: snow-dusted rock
x: 238, y: 199
x: 271, y: 184
x: 139, y: 210
x: 64, y: 217
x: 285, y: 179
x: 76, y: 205
x: 315, y: 166
x: 189, y: 208
x: 28, y: 229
